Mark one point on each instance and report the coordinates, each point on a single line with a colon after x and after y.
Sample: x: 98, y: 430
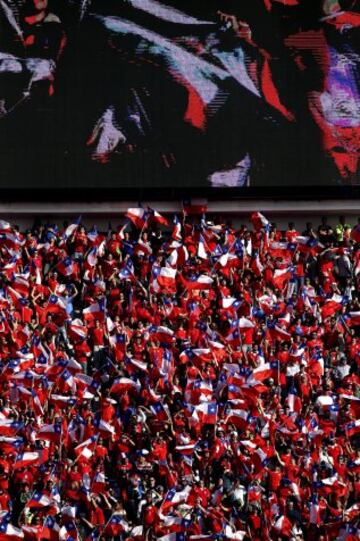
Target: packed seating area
x: 177, y: 378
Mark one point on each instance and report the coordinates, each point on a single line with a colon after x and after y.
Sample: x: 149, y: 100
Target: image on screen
x: 179, y: 93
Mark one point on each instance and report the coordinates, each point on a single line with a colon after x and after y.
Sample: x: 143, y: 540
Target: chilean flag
x: 332, y: 306
x: 199, y: 282
x: 138, y: 216
x: 104, y: 429
x: 167, y: 278
x: 21, y: 285
x: 353, y: 428
x: 123, y: 385
x: 4, y: 226
x: 204, y: 355
x: 116, y: 525
x: 283, y: 526
x: 77, y: 329
x: 175, y: 498
x: 176, y: 536
x: 56, y: 305
x: 160, y: 411
x: 62, y: 401
x: 9, y: 427
x: 50, y: 530
x: 354, y: 319
x: 162, y: 334
x: 39, y: 500
x: 156, y: 217
x: 92, y: 258
x: 8, y: 532
x: 86, y: 448
x: 33, y: 458
x: 202, y: 253
x: 256, y: 266
x: 187, y: 450
x: 262, y: 372
x: 95, y: 311
x: 277, y: 333
x: 245, y: 323
x: 176, y: 233
x: 207, y: 413
x: 239, y: 418
x: 178, y: 256
x: 32, y: 533
x: 258, y: 220
x: 70, y: 230
x: 67, y: 267
x: 281, y: 276
x: 127, y: 272
x: 50, y: 433
x: 261, y: 459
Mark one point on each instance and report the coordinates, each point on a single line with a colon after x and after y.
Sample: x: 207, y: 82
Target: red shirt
x: 98, y: 336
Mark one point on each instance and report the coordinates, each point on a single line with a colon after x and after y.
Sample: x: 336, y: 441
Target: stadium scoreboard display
x: 153, y: 94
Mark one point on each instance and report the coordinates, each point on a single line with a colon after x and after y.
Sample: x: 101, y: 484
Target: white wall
x: 100, y: 214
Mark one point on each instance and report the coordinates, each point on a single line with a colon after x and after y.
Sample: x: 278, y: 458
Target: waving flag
x: 283, y: 526
x: 50, y: 530
x: 50, y: 433
x: 239, y: 418
x: 332, y: 305
x: 31, y: 458
x: 122, y: 385
x: 175, y: 498
x: 160, y: 411
x: 104, y: 429
x: 116, y: 525
x: 186, y: 449
x: 353, y: 428
x: 199, y: 282
x: 70, y: 230
x: 263, y: 372
x: 158, y: 218
x: 258, y: 220
x: 277, y: 333
x: 86, y: 448
x: 127, y: 272
x: 138, y: 216
x: 163, y: 334
x: 95, y: 311
x: 67, y: 267
x: 38, y: 500
x: 56, y: 305
x: 77, y: 329
x: 167, y: 278
x: 282, y: 276
x: 5, y: 226
x: 256, y: 266
x: 354, y: 319
x: 261, y: 458
x: 177, y: 230
x: 21, y: 285
x: 9, y: 427
x: 176, y: 536
x: 207, y: 413
x: 8, y: 532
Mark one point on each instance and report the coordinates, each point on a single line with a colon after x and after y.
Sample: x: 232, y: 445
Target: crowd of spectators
x: 180, y: 380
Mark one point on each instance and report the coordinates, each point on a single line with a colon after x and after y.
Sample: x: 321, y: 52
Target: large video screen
x: 179, y: 93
